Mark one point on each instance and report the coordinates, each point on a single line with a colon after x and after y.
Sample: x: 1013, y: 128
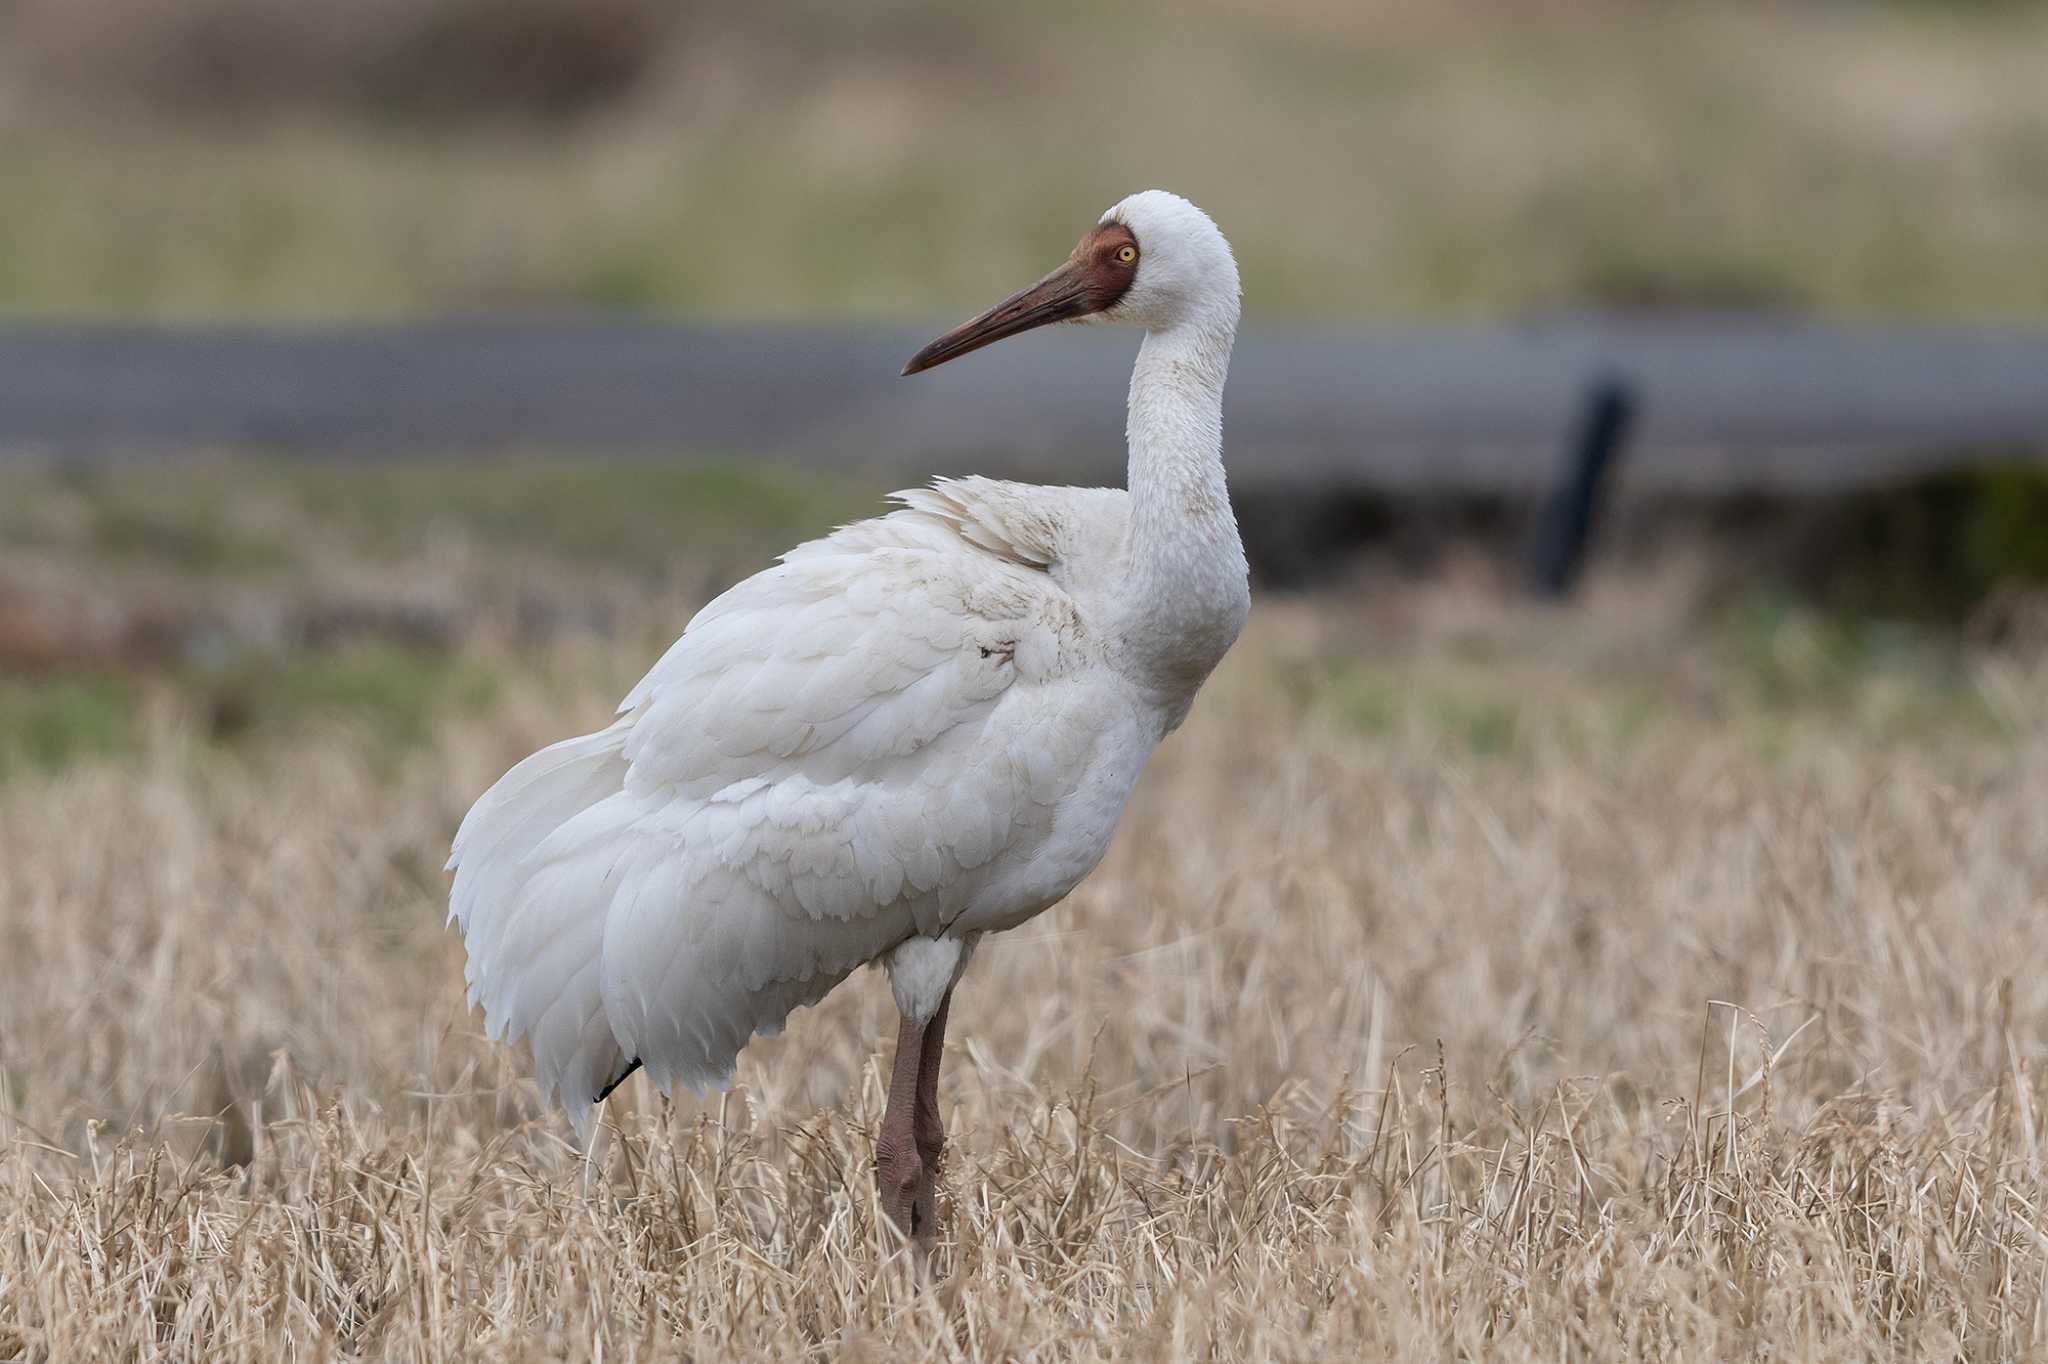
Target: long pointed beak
x: 1058, y: 297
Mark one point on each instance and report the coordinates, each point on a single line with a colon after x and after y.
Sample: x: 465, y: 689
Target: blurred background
x: 338, y: 339
x: 1411, y: 159
x: 1640, y: 434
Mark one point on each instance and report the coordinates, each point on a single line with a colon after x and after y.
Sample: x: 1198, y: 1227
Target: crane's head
x: 1154, y: 260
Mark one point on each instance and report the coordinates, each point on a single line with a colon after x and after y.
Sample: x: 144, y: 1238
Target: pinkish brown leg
x: 908, y: 1146
x: 900, y: 1174
x: 929, y: 1127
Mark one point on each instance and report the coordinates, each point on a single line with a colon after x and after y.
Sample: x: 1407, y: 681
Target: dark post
x: 1564, y: 528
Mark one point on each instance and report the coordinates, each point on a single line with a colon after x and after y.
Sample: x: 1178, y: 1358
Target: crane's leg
x: 929, y: 1127
x: 913, y: 1135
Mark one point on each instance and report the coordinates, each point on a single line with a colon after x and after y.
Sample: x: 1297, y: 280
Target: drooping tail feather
x: 534, y: 935
x: 615, y: 926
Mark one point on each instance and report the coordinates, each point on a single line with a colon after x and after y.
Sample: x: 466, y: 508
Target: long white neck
x: 1187, y: 593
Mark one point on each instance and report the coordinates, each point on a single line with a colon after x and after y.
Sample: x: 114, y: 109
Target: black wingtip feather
x: 619, y: 1079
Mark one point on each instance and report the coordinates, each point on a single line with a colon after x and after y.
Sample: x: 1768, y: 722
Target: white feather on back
x: 903, y: 729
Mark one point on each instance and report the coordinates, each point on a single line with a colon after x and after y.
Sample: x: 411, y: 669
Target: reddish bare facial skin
x: 1098, y: 255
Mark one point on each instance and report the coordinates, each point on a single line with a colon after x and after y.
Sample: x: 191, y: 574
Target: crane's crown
x: 1183, y: 263
x: 1153, y: 259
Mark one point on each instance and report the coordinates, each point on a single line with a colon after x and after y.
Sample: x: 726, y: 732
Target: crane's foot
x: 908, y: 1187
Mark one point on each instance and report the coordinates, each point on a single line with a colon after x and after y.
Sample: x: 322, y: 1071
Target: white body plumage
x: 911, y: 732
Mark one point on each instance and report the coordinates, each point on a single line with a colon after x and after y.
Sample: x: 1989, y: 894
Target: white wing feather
x: 816, y: 771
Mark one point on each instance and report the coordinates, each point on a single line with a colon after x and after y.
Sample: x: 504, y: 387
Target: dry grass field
x: 1650, y: 980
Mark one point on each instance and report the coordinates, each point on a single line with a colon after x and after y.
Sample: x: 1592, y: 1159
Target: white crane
x: 914, y: 731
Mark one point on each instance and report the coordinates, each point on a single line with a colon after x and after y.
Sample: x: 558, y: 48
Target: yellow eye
x: 1127, y: 253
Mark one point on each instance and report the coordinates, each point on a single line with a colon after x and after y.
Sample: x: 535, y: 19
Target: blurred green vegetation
x: 388, y: 698
x: 244, y: 517
x: 644, y: 516
x: 252, y: 600
x: 241, y: 602
x: 47, y: 722
x: 391, y: 695
x: 1794, y: 667
x: 149, y: 517
x: 1776, y: 675
x: 801, y: 158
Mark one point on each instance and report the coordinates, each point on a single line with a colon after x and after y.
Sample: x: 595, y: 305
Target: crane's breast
x: 1077, y: 749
